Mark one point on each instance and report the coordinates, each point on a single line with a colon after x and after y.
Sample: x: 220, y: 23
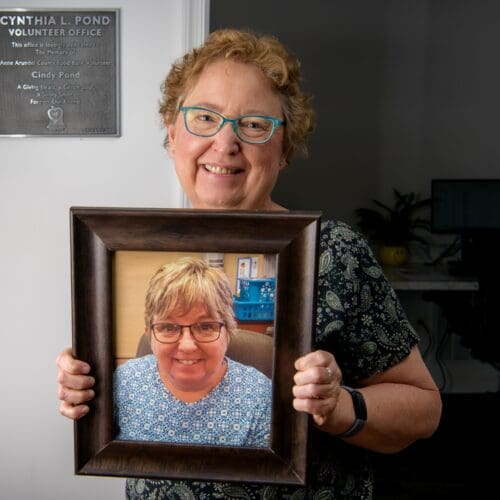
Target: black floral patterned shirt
x: 360, y: 321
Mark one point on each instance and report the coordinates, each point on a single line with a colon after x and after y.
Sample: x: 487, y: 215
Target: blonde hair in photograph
x: 182, y: 284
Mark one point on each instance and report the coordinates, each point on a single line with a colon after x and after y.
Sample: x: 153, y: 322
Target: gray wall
x: 406, y: 90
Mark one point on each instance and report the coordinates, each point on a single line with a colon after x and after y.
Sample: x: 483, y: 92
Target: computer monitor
x: 465, y: 206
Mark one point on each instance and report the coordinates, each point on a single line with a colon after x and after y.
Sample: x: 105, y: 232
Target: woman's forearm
x: 403, y: 405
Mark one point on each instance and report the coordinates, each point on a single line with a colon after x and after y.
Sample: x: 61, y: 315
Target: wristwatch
x: 359, y: 404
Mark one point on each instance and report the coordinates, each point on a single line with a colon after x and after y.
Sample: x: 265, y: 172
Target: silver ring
x: 330, y: 373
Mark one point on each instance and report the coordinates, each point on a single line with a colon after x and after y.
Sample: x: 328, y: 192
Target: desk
x: 457, y: 367
x: 427, y: 278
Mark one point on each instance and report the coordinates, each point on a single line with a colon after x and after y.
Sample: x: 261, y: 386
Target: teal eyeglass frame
x: 234, y: 123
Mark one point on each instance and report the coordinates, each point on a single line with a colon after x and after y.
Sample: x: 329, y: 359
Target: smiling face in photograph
x: 222, y: 171
x: 188, y: 366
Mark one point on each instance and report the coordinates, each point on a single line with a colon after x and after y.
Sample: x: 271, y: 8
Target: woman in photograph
x: 188, y: 391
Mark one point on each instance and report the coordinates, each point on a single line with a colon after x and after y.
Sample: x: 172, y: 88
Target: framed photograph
x: 98, y: 237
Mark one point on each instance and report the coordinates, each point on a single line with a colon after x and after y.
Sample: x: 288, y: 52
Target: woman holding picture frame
x: 235, y: 115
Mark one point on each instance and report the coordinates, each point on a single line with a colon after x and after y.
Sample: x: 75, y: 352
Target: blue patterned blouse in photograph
x: 235, y: 413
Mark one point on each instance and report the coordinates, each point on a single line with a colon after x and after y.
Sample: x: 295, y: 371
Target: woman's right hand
x: 74, y: 385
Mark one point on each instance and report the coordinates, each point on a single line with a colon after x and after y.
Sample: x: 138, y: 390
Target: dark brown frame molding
x: 96, y: 233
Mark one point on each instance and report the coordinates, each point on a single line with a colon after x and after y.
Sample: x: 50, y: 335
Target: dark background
x: 405, y: 90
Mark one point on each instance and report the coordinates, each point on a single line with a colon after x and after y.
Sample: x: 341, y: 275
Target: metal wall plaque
x: 59, y: 72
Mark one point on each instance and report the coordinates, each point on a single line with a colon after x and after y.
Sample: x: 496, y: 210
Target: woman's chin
x: 187, y: 382
x: 222, y: 202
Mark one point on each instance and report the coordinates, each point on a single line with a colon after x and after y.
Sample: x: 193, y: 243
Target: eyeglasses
x: 254, y: 129
x: 169, y: 333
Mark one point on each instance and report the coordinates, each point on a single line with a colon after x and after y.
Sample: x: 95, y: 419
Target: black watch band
x: 359, y: 404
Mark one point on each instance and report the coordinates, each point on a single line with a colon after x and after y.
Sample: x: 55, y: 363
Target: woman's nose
x: 226, y: 140
x: 187, y: 342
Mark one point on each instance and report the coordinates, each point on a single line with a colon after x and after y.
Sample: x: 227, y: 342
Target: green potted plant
x: 392, y: 228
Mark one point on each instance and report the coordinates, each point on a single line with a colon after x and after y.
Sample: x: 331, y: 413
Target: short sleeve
x: 359, y: 317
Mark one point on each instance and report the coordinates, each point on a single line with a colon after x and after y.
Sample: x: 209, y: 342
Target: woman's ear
x: 284, y: 155
x: 282, y: 163
x: 171, y: 140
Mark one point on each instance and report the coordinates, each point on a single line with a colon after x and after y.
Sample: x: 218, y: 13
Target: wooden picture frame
x: 96, y: 233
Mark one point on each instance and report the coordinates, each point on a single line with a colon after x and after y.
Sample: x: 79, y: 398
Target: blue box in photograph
x: 253, y: 311
x: 257, y: 289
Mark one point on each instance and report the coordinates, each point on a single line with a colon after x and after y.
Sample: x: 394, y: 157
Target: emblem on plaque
x: 56, y: 119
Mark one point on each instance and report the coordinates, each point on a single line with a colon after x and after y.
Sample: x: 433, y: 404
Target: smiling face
x: 222, y: 172
x: 190, y: 370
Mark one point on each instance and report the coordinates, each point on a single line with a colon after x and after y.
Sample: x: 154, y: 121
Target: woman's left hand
x: 317, y: 385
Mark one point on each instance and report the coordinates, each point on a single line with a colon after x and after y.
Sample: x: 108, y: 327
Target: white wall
x: 40, y: 178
